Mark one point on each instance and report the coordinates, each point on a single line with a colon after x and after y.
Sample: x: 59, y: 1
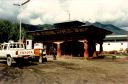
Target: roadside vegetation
x: 10, y: 31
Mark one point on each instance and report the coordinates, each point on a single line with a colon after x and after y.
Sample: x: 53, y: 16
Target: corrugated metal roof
x: 110, y: 36
x: 116, y: 37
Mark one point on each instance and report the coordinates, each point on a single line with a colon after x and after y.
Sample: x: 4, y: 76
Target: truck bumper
x: 24, y: 58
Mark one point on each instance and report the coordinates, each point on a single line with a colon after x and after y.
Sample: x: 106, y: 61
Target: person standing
x: 53, y: 52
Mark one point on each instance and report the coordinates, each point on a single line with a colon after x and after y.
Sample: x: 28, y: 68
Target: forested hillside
x: 10, y: 31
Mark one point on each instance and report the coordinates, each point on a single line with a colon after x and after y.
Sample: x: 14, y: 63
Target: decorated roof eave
x: 70, y: 30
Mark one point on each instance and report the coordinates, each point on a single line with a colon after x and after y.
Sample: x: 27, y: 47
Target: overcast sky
x: 53, y: 11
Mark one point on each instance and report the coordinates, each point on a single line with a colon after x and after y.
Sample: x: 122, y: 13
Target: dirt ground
x: 67, y: 71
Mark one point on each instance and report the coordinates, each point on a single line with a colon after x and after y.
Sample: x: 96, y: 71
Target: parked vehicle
x: 40, y: 52
x: 19, y: 52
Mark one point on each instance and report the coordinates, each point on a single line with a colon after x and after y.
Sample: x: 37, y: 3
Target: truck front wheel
x: 9, y: 61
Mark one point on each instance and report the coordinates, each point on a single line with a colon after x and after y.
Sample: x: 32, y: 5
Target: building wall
x: 111, y: 46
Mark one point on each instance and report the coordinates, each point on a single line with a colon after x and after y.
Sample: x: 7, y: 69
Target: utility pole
x: 20, y: 5
x: 69, y: 15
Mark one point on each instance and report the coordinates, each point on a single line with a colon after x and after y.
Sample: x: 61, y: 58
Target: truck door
x: 4, y: 50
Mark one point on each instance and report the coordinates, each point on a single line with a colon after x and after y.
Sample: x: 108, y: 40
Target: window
x: 14, y: 45
x: 11, y: 46
x: 20, y: 45
x: 1, y: 47
x: 27, y: 42
x: 5, y: 46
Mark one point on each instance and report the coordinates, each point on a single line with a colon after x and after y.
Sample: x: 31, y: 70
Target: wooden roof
x: 71, y: 33
x: 68, y: 24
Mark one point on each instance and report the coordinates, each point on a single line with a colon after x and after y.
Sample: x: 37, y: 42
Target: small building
x: 114, y: 43
x: 72, y: 38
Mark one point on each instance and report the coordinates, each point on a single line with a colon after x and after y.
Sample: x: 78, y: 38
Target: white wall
x: 38, y: 45
x: 28, y: 44
x: 110, y: 46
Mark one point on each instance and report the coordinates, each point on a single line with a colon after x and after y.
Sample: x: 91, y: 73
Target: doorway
x: 73, y: 48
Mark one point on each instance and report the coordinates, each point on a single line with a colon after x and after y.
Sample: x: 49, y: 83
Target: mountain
x: 37, y: 27
x: 110, y: 27
x: 30, y: 27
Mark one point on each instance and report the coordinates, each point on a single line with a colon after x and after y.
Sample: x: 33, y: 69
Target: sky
x: 54, y: 11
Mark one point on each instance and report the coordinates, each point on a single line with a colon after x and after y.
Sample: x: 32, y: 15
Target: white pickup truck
x: 15, y: 51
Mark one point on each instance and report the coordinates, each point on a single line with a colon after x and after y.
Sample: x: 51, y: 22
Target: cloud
x: 7, y: 11
x: 52, y: 11
x: 36, y: 21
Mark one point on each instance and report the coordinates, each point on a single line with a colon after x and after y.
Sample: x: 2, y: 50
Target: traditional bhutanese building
x: 72, y: 38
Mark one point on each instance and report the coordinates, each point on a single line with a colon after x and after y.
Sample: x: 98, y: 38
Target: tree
x: 14, y: 34
x: 5, y: 29
x: 10, y: 31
